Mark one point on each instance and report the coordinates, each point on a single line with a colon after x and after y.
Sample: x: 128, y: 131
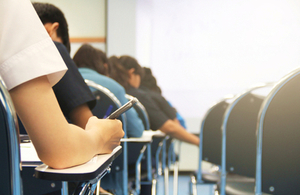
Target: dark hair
x: 129, y: 62
x: 49, y: 13
x: 120, y: 67
x: 149, y: 81
x: 90, y: 57
x: 118, y: 72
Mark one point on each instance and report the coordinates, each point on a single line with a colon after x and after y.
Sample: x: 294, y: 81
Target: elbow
x: 58, y: 160
x: 169, y: 127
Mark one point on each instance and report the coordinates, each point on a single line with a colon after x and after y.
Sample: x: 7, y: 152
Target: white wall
x: 121, y: 25
x: 86, y: 19
x: 202, y: 50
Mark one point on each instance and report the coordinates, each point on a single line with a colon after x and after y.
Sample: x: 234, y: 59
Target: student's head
x: 89, y: 57
x: 134, y: 70
x: 54, y: 22
x: 118, y: 72
x: 128, y: 66
x: 149, y: 81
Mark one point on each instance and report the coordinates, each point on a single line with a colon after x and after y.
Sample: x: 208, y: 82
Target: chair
x: 277, y: 164
x: 210, y: 146
x: 157, y: 150
x: 11, y: 182
x: 238, y: 137
x: 106, y: 101
x: 277, y: 157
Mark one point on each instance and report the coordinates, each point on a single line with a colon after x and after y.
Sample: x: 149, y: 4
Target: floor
x: 183, y: 187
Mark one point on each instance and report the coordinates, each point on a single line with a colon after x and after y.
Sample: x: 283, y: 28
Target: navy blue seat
x: 10, y: 180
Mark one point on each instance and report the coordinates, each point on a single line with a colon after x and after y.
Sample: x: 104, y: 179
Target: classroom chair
x: 133, y: 148
x: 238, y: 136
x: 210, y: 147
x: 277, y: 156
x: 156, y: 154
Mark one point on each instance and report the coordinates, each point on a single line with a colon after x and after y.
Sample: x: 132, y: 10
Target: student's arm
x: 177, y: 131
x: 80, y: 115
x: 58, y: 143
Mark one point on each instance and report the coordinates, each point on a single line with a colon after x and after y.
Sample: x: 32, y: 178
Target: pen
x: 108, y: 111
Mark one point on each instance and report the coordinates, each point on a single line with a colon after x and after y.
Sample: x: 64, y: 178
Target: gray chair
x: 239, y: 138
x: 210, y: 146
x: 277, y: 156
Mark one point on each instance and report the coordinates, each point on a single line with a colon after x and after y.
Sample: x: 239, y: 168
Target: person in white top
x: 30, y: 65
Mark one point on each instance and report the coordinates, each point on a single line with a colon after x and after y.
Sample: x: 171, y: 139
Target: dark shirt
x: 161, y: 102
x: 71, y: 91
x: 156, y: 116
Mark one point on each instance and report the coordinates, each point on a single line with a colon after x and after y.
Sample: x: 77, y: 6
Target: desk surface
x: 150, y: 133
x: 86, y: 171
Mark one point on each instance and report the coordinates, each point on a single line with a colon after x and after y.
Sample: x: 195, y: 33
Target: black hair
x: 118, y: 72
x: 120, y: 67
x: 149, y: 81
x: 50, y: 13
x: 129, y: 62
x: 90, y: 57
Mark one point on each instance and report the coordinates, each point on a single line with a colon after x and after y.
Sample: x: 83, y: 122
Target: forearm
x: 177, y: 131
x: 58, y: 143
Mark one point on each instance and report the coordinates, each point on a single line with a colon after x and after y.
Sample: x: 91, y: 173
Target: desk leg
x: 64, y: 189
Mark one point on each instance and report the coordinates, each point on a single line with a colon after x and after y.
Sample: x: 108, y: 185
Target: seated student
x: 149, y: 84
x: 93, y: 65
x: 73, y: 95
x: 128, y: 73
x: 30, y: 65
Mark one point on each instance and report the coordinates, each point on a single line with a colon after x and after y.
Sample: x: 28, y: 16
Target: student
x: 73, y: 95
x: 30, y: 65
x: 93, y: 65
x: 149, y: 84
x: 128, y: 73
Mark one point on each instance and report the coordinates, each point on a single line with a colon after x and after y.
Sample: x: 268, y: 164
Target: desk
x: 88, y: 170
x: 91, y: 170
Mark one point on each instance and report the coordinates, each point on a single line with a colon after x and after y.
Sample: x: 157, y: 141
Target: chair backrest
x: 105, y: 99
x: 278, y: 138
x: 211, y: 132
x: 143, y: 115
x: 10, y: 182
x: 241, y: 135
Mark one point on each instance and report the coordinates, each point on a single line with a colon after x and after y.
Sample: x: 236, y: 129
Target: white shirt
x: 26, y: 50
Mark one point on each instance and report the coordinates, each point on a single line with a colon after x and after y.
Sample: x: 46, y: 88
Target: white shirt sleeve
x: 26, y: 50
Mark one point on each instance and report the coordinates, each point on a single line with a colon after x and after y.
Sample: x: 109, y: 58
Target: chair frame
x: 224, y: 130
x: 13, y: 142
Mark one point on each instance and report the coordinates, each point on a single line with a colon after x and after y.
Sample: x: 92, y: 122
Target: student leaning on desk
x: 30, y: 65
